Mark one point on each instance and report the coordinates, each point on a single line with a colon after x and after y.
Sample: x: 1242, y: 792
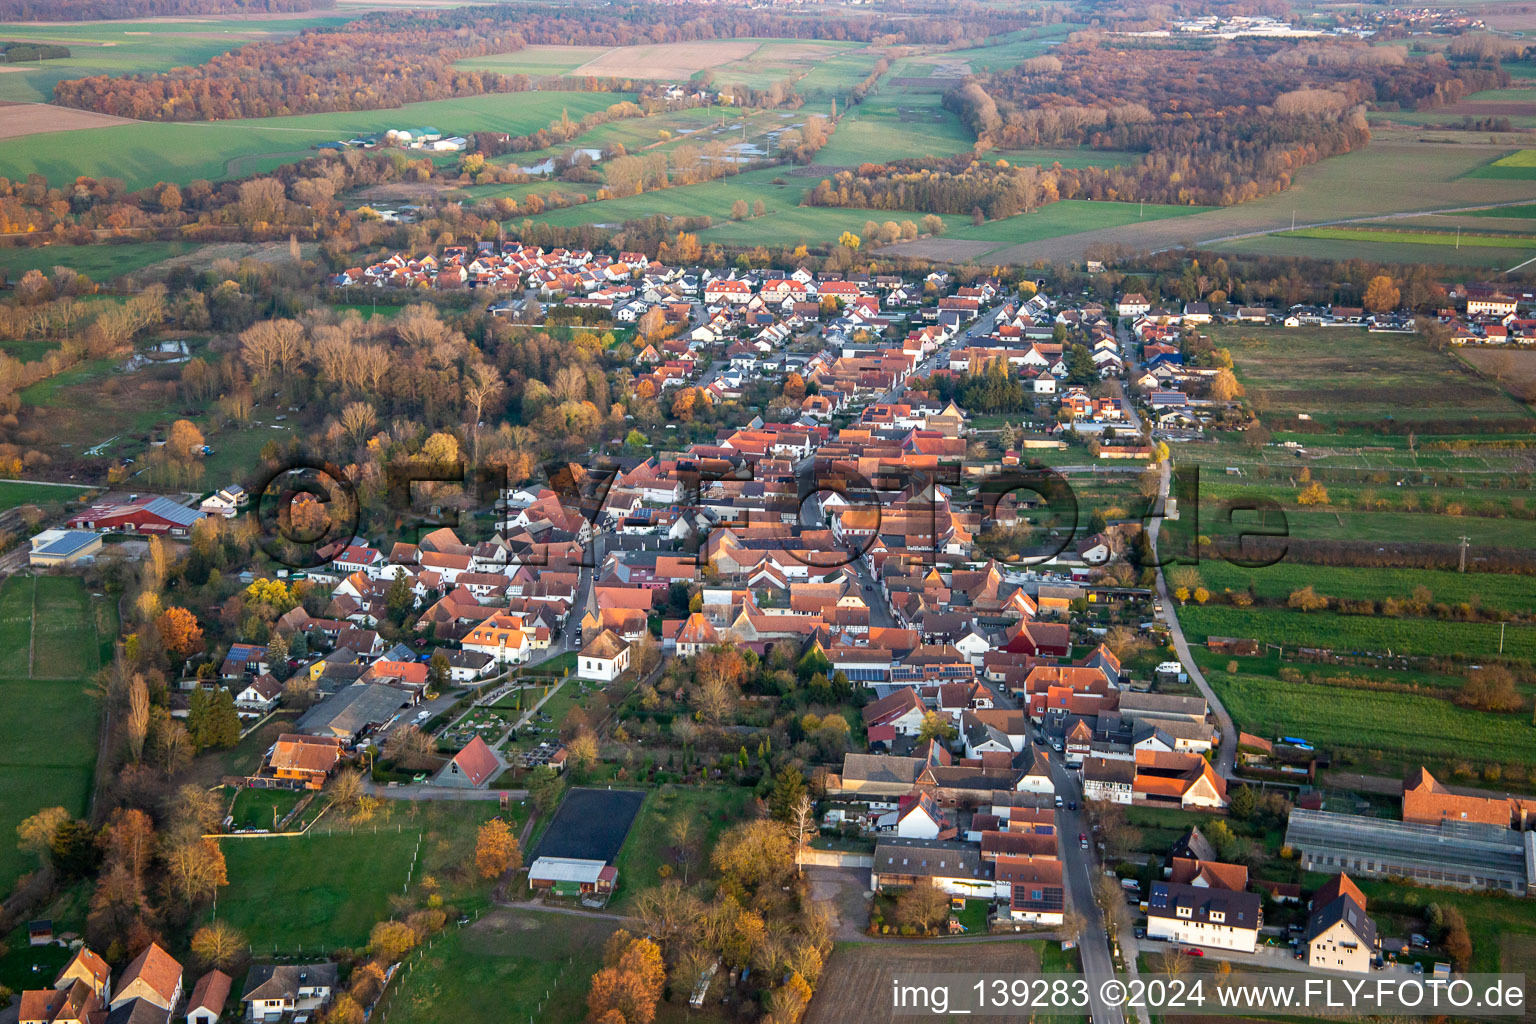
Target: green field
x: 1080, y: 157
x: 511, y: 965
x: 100, y: 263
x: 894, y: 126
x: 327, y: 889
x: 1392, y: 237
x: 1007, y: 51
x: 1276, y: 582
x: 1066, y: 217
x: 1519, y: 165
x: 44, y: 670
x: 1336, y: 373
x: 144, y: 153
x: 1524, y: 211
x: 13, y: 493
x: 789, y: 60
x: 1376, y: 252
x: 785, y: 223
x: 1346, y: 634
x: 1383, y: 730
x: 118, y: 48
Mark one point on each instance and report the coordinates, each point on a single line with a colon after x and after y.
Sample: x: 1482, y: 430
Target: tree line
x: 389, y: 59
x: 96, y: 10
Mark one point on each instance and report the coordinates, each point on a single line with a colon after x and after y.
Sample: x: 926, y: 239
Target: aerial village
x: 836, y: 571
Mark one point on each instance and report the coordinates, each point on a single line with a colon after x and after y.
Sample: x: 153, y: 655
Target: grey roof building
x: 353, y: 709
x: 1465, y: 855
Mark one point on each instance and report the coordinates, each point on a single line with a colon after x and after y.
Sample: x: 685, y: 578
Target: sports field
x: 144, y: 153
x: 48, y: 652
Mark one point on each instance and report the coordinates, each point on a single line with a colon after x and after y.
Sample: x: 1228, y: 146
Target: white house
x: 275, y: 990
x: 1218, y: 918
x: 226, y: 501
x: 604, y: 659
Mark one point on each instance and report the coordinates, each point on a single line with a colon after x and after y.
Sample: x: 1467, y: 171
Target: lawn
x: 649, y: 847
x: 511, y: 965
x: 1381, y: 731
x: 1523, y: 211
x: 327, y: 889
x: 143, y: 153
x: 263, y: 808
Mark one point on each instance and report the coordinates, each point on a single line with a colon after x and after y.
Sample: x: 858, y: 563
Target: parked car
x: 1082, y: 840
x: 1194, y: 951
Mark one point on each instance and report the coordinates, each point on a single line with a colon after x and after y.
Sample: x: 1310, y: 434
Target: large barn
x: 149, y: 515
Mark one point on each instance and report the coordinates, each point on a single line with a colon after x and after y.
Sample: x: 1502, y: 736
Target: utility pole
x: 1464, y: 541
x: 1501, y: 637
x: 1293, y: 220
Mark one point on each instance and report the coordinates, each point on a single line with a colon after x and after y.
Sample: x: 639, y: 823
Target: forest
x: 100, y: 10
x: 388, y: 59
x: 1218, y: 126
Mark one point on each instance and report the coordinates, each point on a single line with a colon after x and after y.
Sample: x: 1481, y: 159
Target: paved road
x: 1093, y: 944
x: 1226, y: 757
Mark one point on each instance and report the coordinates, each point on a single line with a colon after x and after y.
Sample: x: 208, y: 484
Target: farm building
x: 151, y: 515
x: 352, y: 710
x: 570, y: 876
x: 60, y: 548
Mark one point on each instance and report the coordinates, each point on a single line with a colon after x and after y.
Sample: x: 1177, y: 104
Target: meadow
x: 512, y: 965
x: 1517, y: 166
x: 46, y: 668
x: 1375, y: 731
x: 534, y: 60
x: 1393, y: 236
x: 144, y: 153
x: 1447, y: 254
x: 648, y: 848
x: 1350, y: 634
x: 1364, y: 376
x: 785, y: 222
x: 101, y: 263
x: 893, y: 126
x: 792, y: 60
x: 1276, y: 582
x: 328, y: 889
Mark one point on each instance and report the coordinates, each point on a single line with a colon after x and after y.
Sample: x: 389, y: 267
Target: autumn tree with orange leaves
x: 629, y: 986
x: 179, y: 632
